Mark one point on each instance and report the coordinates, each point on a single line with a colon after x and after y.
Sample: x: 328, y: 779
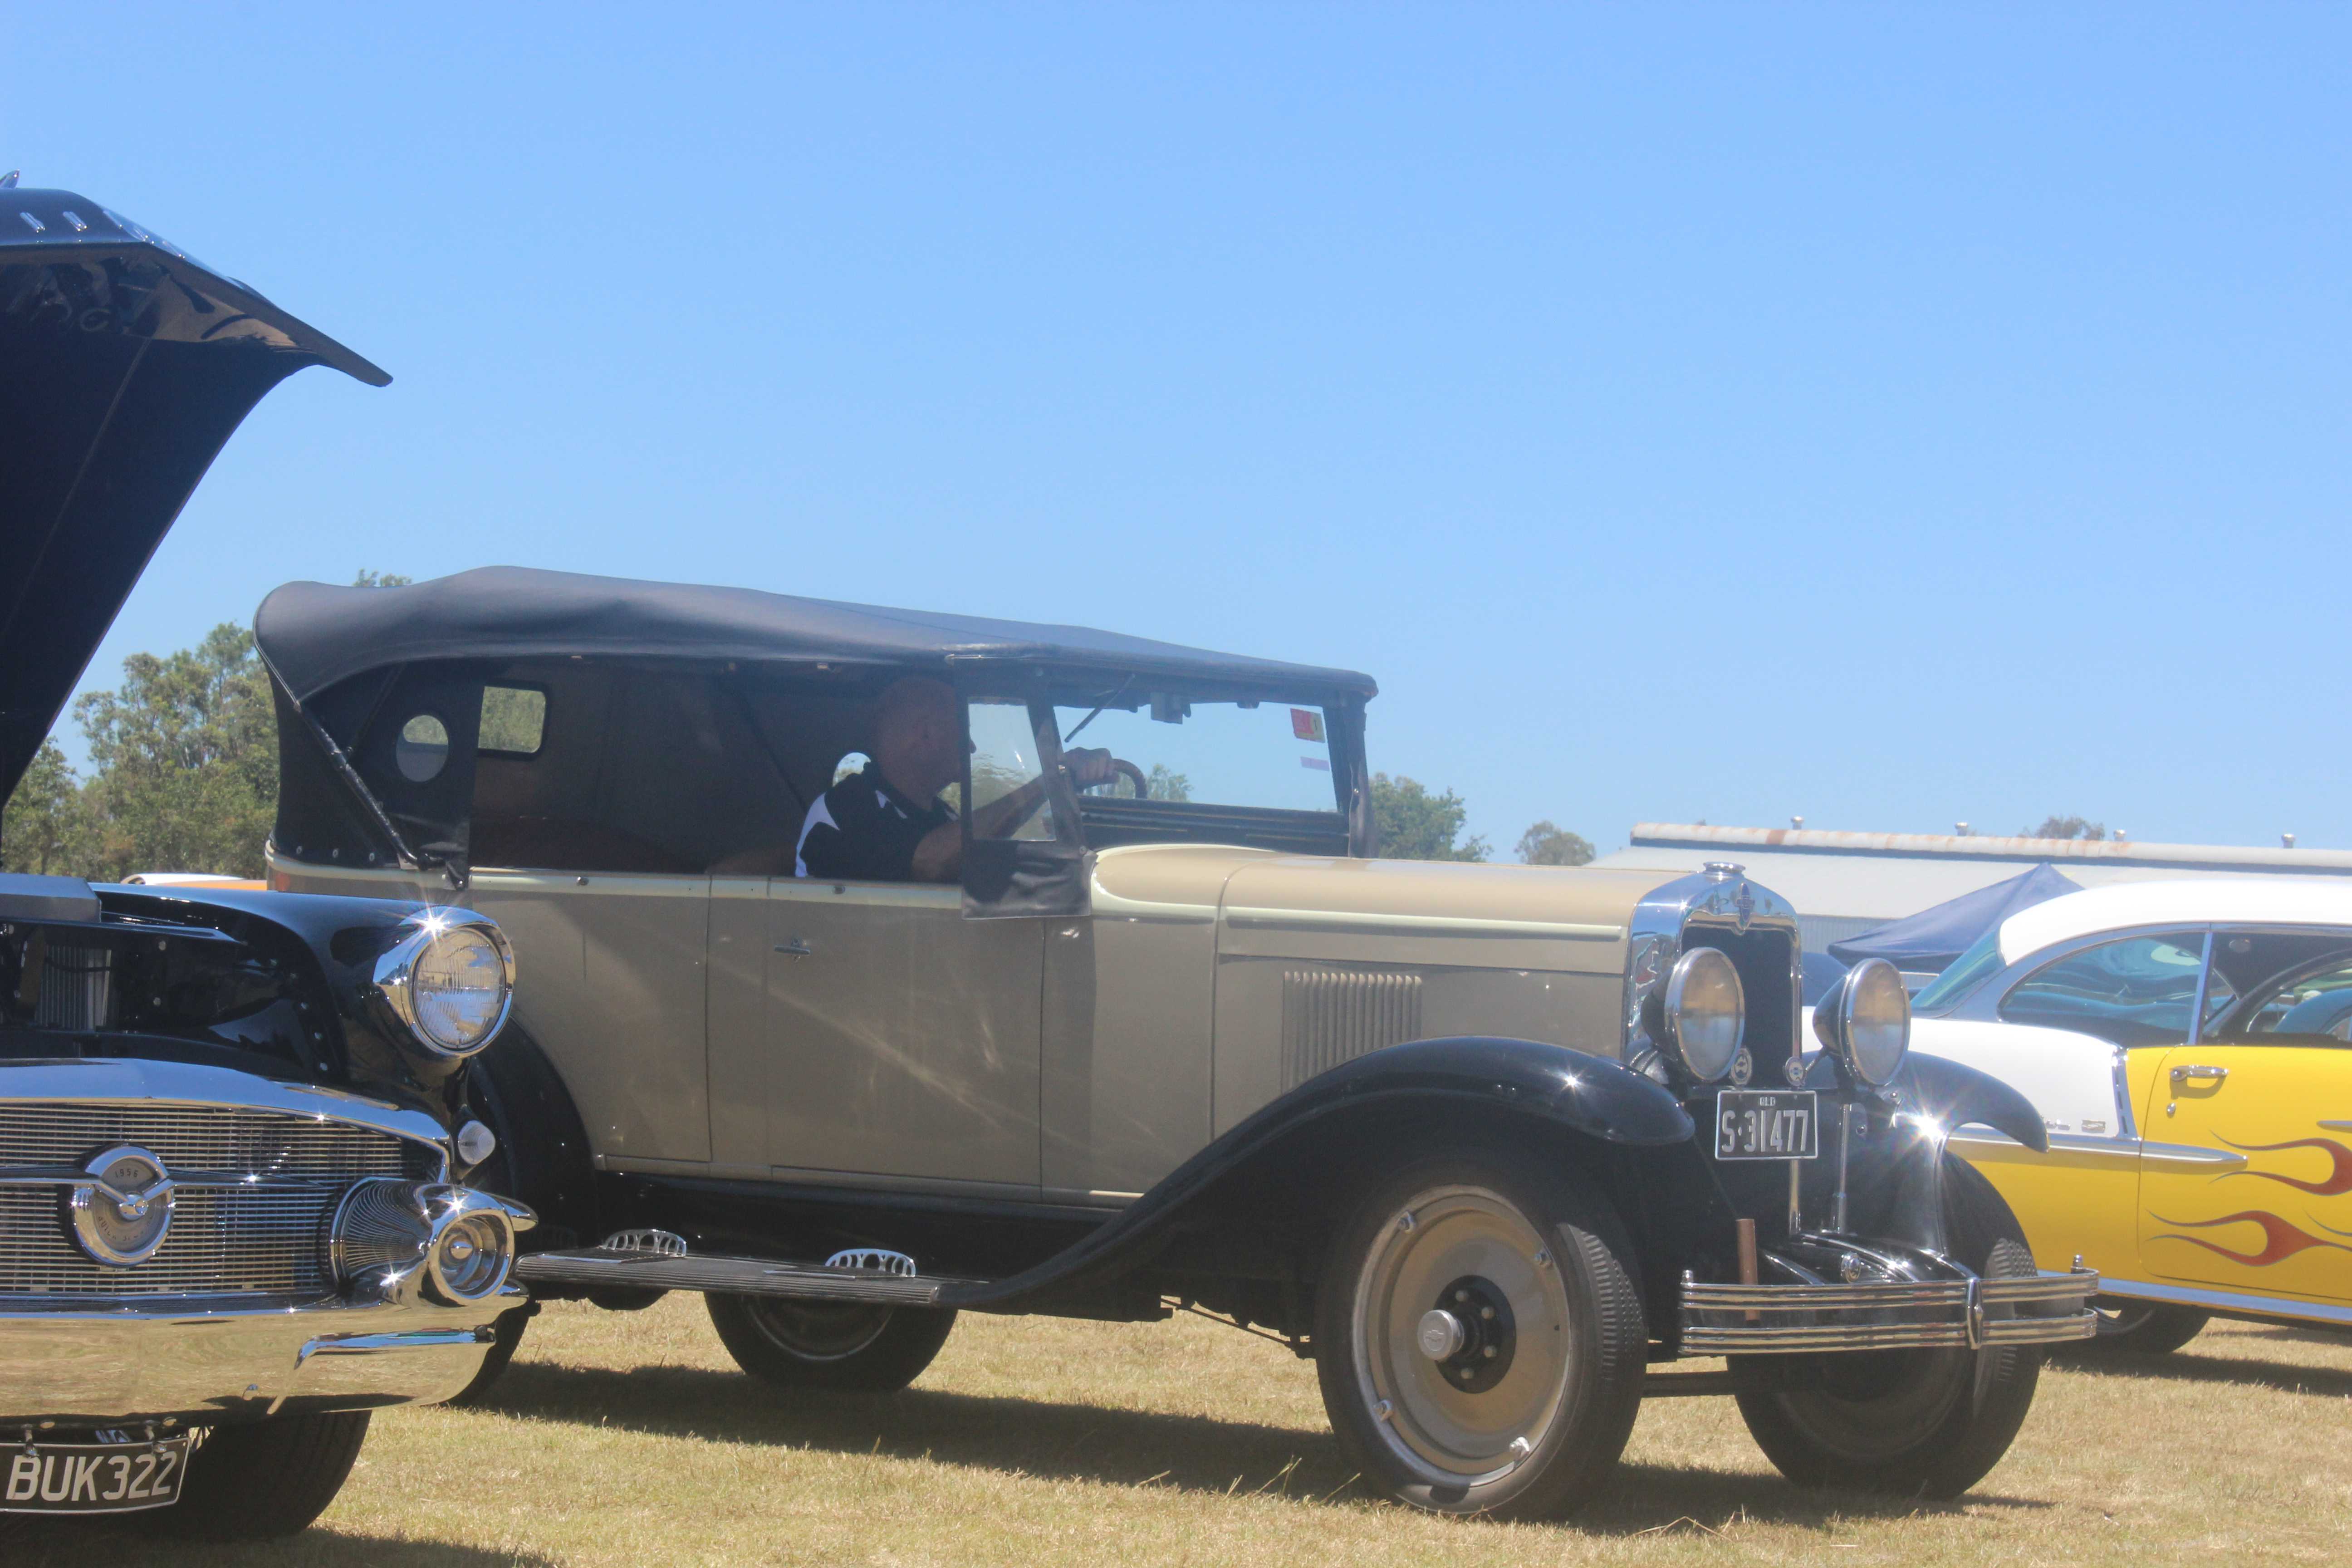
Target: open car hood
x: 124, y: 367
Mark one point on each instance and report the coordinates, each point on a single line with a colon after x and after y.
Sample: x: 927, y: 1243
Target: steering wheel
x: 1129, y: 772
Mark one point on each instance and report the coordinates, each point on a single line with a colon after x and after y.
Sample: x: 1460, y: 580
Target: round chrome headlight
x: 1865, y: 1023
x: 1706, y: 1014
x: 450, y: 981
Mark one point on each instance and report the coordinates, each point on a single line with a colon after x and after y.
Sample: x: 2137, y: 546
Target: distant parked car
x: 2186, y: 1044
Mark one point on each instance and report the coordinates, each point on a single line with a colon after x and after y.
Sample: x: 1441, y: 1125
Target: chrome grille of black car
x: 209, y: 1138
x: 257, y: 1239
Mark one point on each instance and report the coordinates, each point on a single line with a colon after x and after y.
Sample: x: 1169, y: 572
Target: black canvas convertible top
x: 314, y: 636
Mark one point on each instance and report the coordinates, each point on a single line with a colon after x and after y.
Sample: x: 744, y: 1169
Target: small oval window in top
x: 423, y: 749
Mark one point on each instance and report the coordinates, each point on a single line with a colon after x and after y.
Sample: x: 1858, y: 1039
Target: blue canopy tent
x: 1934, y: 937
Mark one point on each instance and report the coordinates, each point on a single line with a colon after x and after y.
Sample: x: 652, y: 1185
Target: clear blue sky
x: 1888, y: 415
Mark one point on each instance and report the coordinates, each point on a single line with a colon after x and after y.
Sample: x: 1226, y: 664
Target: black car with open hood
x: 226, y: 1117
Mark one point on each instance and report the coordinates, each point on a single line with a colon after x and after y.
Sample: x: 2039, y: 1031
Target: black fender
x: 542, y: 1158
x: 1292, y: 1159
x: 1898, y: 1182
x: 1954, y: 1094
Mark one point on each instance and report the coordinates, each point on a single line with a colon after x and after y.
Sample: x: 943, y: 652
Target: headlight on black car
x: 449, y: 980
x: 1866, y: 1022
x: 1704, y: 1016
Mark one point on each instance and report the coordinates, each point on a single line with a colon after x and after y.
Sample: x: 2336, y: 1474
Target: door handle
x: 795, y: 948
x: 2182, y: 1075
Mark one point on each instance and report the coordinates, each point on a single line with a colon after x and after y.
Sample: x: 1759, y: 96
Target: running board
x: 629, y: 1269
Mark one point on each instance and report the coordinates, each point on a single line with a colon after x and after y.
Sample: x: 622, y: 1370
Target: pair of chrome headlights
x: 1865, y: 1023
x: 449, y: 981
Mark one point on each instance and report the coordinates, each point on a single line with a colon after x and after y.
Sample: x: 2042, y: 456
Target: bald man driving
x: 887, y: 823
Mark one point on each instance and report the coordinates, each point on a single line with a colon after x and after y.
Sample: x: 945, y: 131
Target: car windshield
x: 1982, y: 958
x: 1268, y: 754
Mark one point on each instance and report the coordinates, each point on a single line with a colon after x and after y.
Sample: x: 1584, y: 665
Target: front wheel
x: 1922, y: 1423
x: 2142, y: 1328
x: 1478, y: 1337
x: 846, y: 1345
x: 263, y: 1478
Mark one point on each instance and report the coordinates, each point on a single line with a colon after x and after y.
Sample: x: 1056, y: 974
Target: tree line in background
x: 183, y: 777
x: 182, y: 769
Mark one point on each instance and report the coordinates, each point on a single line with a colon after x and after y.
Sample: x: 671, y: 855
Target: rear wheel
x: 1478, y: 1337
x: 2141, y: 1328
x: 1925, y: 1423
x: 265, y: 1478
x: 829, y: 1344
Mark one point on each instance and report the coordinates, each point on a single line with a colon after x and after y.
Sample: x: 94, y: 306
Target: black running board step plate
x: 732, y: 1276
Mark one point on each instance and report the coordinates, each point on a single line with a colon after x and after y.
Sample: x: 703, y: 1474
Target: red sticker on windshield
x: 1306, y: 723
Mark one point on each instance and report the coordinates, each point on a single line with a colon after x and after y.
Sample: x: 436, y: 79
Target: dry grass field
x: 630, y: 1440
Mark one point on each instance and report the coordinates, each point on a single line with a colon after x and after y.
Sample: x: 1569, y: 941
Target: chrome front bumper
x: 177, y: 1362
x: 1887, y: 1314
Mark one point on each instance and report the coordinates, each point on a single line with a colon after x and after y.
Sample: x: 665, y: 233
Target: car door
x: 2267, y: 1079
x: 901, y: 1038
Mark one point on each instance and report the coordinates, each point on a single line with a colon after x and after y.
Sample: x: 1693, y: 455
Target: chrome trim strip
x: 2127, y: 1114
x: 2226, y: 1300
x: 2337, y: 1126
x: 1445, y: 925
x: 133, y: 1082
x: 2204, y: 978
x: 400, y: 1339
x: 2078, y: 1150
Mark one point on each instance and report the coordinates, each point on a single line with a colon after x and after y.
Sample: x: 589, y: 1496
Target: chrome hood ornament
x: 123, y: 1212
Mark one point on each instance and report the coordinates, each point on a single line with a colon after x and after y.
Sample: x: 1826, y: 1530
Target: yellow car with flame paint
x: 2186, y: 1044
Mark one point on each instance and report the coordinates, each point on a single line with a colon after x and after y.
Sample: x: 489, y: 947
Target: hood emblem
x: 121, y: 1214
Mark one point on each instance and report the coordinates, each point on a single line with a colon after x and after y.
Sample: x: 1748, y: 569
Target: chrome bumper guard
x: 182, y: 1364
x: 1873, y: 1315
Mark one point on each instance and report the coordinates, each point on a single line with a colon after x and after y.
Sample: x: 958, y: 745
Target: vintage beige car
x: 1488, y: 1142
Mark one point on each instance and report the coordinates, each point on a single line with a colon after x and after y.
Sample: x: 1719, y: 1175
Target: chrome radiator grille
x: 262, y: 1239
x: 221, y: 1243
x: 209, y: 1138
x: 76, y: 989
x: 1329, y: 1015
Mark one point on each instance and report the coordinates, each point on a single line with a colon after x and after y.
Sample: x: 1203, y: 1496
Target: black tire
x: 1926, y: 1423
x: 2139, y: 1328
x: 847, y: 1345
x: 506, y: 1339
x: 262, y: 1479
x: 1538, y: 1269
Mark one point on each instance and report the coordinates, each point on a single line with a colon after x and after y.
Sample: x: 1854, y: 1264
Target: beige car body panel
x: 1076, y: 1060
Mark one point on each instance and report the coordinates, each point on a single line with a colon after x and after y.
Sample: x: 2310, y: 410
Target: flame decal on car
x: 2282, y: 1240
x: 2339, y: 1177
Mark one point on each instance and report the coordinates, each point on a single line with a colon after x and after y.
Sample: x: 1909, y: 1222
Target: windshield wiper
x: 1117, y: 693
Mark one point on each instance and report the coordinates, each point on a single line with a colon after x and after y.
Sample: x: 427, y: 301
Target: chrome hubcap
x: 1462, y: 1336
